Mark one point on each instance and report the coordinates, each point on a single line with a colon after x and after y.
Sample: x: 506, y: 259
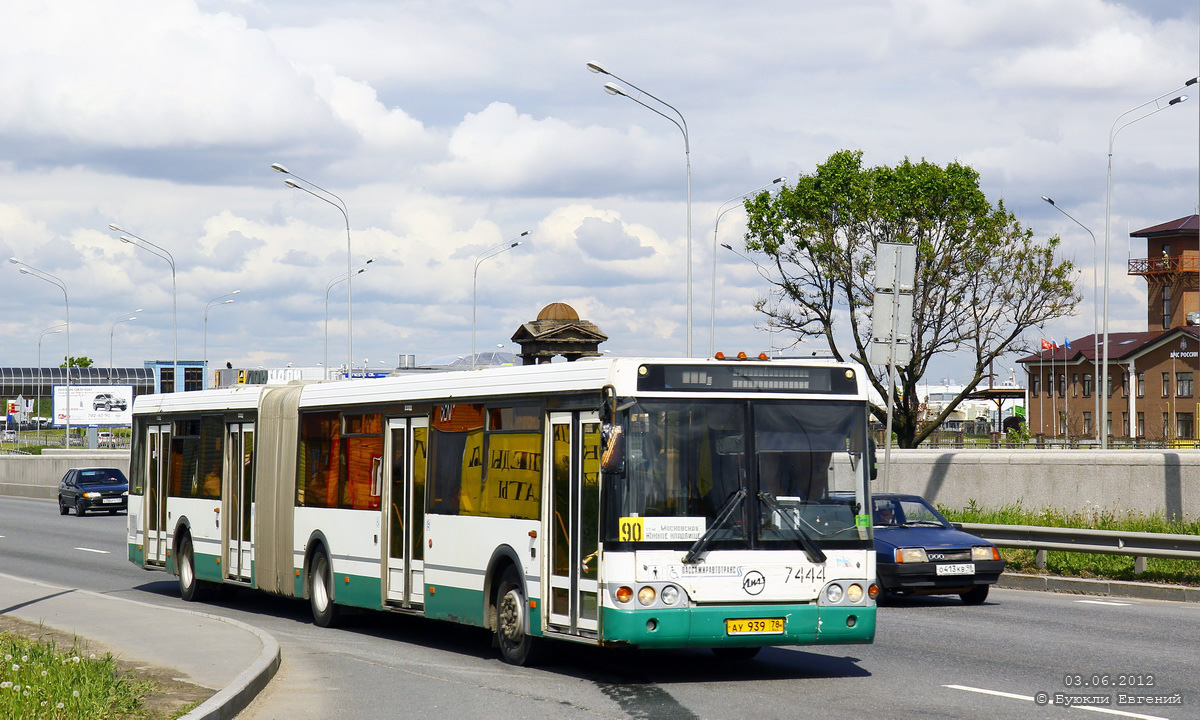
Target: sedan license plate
x: 963, y: 569
x: 111, y: 501
x: 754, y: 626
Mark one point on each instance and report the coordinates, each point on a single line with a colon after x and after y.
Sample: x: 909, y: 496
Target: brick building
x: 1151, y: 374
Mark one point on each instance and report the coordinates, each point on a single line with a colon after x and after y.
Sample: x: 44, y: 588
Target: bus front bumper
x: 709, y: 626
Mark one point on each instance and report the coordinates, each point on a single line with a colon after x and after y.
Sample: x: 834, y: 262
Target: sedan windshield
x: 108, y: 476
x: 682, y: 463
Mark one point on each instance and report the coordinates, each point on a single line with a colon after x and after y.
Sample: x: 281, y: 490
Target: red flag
x: 1047, y: 344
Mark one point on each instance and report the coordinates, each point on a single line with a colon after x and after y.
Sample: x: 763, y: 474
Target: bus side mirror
x: 608, y: 405
x: 872, y: 460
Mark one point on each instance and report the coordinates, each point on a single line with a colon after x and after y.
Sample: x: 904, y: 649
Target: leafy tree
x: 77, y: 362
x: 982, y: 279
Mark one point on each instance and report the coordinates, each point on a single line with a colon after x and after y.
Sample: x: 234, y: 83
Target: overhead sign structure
x: 891, y: 324
x: 94, y: 405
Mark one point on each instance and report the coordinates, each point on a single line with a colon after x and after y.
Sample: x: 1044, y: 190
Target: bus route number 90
x: 632, y: 529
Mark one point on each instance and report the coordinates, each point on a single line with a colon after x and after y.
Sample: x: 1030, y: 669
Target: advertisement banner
x: 94, y: 405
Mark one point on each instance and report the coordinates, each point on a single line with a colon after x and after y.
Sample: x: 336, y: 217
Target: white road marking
x: 102, y: 552
x: 1073, y: 707
x: 1104, y: 602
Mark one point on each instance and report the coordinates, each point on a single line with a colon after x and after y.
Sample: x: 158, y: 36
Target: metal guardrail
x: 1139, y: 545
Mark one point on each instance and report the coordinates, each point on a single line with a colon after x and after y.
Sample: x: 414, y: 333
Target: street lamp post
x: 117, y: 320
x: 30, y: 270
x: 712, y: 315
x: 48, y: 331
x: 612, y: 89
x: 1112, y: 136
x: 1095, y: 317
x: 204, y: 385
x: 339, y: 278
x: 762, y: 273
x: 162, y: 253
x: 487, y: 255
x: 341, y: 206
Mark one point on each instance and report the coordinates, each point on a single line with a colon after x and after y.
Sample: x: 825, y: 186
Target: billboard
x: 94, y: 405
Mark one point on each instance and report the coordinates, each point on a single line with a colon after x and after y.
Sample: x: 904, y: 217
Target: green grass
x: 1087, y: 565
x: 39, y: 681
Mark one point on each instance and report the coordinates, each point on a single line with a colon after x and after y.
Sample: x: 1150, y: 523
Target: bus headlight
x: 834, y: 594
x: 854, y: 593
x: 670, y: 595
x: 624, y: 594
x: 646, y: 595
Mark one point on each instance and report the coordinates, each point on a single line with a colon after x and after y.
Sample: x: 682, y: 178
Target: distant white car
x: 106, y: 439
x: 8, y: 436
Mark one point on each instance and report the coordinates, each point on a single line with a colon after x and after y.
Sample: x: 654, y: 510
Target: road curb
x: 1103, y: 588
x: 225, y: 703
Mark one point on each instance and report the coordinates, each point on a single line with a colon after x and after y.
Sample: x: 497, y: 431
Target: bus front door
x: 239, y: 500
x: 403, y: 510
x: 572, y: 523
x: 158, y: 462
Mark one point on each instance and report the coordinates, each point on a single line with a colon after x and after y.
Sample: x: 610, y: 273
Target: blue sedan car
x: 918, y: 552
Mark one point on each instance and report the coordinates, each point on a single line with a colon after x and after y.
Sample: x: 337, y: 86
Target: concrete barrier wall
x: 1143, y: 481
x: 1148, y: 482
x: 37, y: 476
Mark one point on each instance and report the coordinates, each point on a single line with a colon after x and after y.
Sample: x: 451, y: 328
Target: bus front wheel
x: 320, y: 582
x: 517, y: 646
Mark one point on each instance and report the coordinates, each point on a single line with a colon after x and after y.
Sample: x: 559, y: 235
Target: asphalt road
x: 932, y: 658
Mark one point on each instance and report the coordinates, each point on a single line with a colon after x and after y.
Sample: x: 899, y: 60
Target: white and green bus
x: 650, y: 503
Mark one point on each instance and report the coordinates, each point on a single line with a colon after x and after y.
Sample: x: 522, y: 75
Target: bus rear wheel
x: 517, y: 646
x: 190, y: 589
x: 320, y: 595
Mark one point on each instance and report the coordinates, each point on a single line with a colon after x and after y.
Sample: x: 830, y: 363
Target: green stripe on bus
x: 454, y: 604
x: 136, y: 556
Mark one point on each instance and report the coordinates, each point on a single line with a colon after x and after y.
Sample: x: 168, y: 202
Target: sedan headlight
x: 911, y: 555
x: 985, y: 552
x: 91, y: 494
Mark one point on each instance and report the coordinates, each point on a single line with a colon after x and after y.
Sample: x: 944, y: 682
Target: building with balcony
x: 1151, y: 374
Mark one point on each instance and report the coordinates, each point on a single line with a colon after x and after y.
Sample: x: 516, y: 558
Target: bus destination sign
x: 737, y: 377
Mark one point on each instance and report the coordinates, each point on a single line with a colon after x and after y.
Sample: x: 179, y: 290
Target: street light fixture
x: 1095, y: 315
x: 44, y: 276
x: 206, y: 308
x: 712, y: 315
x: 487, y: 255
x: 612, y: 89
x: 339, y: 278
x: 162, y: 253
x: 119, y: 319
x: 1112, y: 136
x: 341, y: 206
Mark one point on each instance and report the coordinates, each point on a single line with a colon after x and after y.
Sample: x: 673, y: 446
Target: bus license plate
x: 754, y: 626
x: 964, y: 569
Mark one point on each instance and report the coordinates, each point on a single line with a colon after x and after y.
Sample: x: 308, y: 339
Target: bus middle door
x: 403, y: 508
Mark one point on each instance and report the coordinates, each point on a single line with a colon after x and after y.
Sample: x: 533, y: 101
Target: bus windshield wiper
x: 810, y: 548
x: 726, y: 510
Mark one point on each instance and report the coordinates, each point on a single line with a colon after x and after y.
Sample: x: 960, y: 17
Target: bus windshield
x: 800, y: 465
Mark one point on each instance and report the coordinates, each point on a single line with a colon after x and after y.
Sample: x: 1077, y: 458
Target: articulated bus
x: 618, y: 502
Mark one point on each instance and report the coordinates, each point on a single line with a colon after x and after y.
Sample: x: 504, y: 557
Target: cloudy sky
x: 449, y: 128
